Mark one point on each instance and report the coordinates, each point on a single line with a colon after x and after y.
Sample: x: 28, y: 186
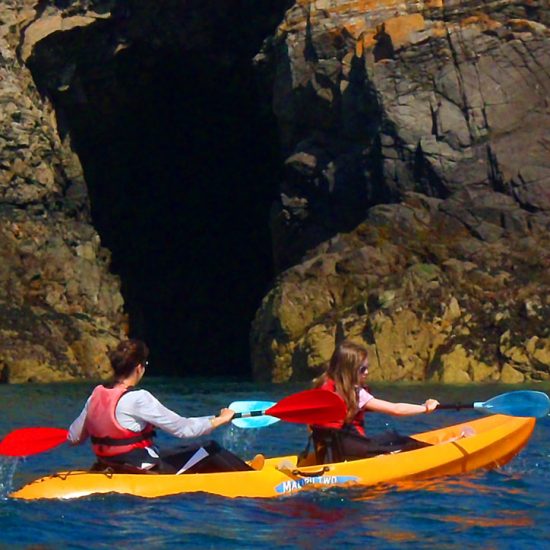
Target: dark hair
x: 127, y: 356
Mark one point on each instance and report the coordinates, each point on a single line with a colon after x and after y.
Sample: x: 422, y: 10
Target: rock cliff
x: 66, y: 68
x: 414, y: 212
x: 60, y: 308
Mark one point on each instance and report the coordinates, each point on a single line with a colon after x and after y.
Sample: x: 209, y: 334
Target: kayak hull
x: 488, y: 442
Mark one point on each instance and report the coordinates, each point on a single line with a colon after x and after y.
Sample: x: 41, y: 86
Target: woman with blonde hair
x: 347, y: 440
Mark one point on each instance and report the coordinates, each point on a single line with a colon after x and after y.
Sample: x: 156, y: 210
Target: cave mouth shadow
x: 181, y: 159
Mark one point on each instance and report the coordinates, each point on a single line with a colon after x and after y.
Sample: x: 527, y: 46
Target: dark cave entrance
x: 181, y: 160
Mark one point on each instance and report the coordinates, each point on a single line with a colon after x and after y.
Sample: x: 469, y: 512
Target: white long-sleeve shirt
x: 137, y: 408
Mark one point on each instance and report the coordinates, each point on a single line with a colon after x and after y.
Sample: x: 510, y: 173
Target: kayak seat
x: 327, y: 448
x: 327, y: 445
x: 338, y: 445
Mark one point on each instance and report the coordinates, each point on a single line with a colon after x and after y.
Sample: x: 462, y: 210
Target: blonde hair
x: 343, y: 369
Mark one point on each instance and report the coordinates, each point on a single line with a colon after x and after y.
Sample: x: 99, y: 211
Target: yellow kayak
x: 487, y: 442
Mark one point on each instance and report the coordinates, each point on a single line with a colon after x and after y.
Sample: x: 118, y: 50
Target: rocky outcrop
x: 429, y: 299
x: 60, y: 308
x: 419, y: 134
x: 414, y: 211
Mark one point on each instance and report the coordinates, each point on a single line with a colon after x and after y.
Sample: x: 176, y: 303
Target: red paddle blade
x: 31, y: 441
x: 310, y: 407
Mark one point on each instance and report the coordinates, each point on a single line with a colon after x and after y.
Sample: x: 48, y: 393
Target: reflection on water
x: 306, y: 508
x: 508, y: 518
x: 470, y: 484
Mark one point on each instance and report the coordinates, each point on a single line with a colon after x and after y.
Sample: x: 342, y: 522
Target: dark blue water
x: 500, y: 509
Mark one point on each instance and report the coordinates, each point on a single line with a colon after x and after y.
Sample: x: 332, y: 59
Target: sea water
x: 501, y: 509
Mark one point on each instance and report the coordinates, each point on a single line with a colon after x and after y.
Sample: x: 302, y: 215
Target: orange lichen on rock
x: 433, y: 4
x: 364, y: 6
x: 355, y: 28
x: 400, y: 28
x: 351, y: 5
x: 525, y: 25
x: 481, y: 20
x: 440, y: 30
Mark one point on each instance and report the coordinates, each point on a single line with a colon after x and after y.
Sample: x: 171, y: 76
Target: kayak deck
x: 488, y: 442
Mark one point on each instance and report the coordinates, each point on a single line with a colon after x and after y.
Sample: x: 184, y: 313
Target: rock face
x: 415, y: 212
x: 60, y: 308
x: 414, y: 215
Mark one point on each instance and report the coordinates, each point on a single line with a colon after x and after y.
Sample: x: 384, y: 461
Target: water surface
x: 500, y: 509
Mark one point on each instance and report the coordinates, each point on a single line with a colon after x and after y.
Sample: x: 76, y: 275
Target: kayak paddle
x: 527, y: 403
x: 243, y: 407
x: 31, y: 441
x: 306, y: 407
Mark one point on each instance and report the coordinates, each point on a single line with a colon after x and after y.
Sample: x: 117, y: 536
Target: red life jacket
x: 358, y: 420
x: 109, y: 438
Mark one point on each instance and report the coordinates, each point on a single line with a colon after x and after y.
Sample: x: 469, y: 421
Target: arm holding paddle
x: 225, y: 416
x: 153, y: 411
x: 77, y: 433
x: 346, y: 375
x: 400, y: 409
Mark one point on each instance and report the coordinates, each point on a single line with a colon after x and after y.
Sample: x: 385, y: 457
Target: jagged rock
x: 60, y: 307
x: 443, y: 112
x: 412, y: 314
x: 455, y: 367
x: 459, y: 367
x: 414, y: 214
x: 510, y: 375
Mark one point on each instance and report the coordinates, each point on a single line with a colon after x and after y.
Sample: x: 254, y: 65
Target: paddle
x: 527, y: 403
x: 253, y: 421
x: 31, y: 441
x: 257, y: 414
x: 306, y: 407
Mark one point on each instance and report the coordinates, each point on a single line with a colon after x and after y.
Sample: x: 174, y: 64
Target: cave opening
x: 181, y: 158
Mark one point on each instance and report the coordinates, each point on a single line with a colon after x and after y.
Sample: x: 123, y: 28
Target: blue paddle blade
x: 255, y: 421
x: 252, y: 421
x: 527, y: 403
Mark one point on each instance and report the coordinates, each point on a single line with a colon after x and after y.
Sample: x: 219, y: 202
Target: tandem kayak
x: 487, y: 442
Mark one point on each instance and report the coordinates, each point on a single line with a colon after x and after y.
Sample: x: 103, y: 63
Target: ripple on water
x: 506, y: 508
x: 8, y: 467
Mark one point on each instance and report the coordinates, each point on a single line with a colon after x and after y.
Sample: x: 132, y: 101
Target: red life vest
x: 358, y: 420
x: 109, y: 438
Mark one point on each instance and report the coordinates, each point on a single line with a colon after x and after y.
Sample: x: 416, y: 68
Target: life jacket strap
x: 112, y: 442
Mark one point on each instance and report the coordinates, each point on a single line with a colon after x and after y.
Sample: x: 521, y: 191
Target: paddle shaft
x: 456, y: 406
x: 249, y: 414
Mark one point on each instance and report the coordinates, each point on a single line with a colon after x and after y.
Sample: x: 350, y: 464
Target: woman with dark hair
x: 346, y: 440
x: 121, y: 420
